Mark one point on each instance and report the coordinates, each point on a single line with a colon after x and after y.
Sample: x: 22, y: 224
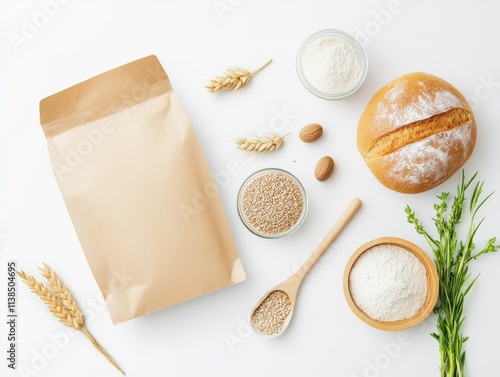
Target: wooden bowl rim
x: 432, y: 285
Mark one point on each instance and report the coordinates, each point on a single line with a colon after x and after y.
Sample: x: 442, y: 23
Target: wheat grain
x: 62, y: 304
x: 62, y: 292
x: 272, y: 203
x: 261, y: 144
x: 271, y: 314
x: 49, y: 298
x: 234, y: 78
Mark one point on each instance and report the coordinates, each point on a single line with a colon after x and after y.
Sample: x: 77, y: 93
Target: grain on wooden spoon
x: 272, y: 313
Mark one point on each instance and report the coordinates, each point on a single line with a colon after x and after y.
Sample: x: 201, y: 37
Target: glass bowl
x: 358, y: 50
x: 256, y: 205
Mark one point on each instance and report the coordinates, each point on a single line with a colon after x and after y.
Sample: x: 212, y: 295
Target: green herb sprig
x: 452, y: 258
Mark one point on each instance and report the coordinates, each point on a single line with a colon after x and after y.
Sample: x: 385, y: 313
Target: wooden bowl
x: 432, y: 285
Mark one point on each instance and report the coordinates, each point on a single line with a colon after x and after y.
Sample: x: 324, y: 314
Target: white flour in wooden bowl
x: 388, y: 283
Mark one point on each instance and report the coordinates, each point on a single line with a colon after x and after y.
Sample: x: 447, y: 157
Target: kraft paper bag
x: 138, y: 190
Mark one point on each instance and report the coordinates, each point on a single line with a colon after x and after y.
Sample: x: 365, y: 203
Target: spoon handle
x: 335, y: 230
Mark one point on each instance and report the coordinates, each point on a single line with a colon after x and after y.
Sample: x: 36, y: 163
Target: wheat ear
x: 50, y: 299
x: 234, y: 78
x: 261, y: 144
x: 62, y: 292
x: 62, y: 304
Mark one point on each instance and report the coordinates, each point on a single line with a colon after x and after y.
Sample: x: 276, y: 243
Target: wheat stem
x: 101, y: 349
x: 262, y: 67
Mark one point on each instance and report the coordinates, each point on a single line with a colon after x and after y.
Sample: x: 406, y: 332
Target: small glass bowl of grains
x: 331, y: 64
x: 272, y: 203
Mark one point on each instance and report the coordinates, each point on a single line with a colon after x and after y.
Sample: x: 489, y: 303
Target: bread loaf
x: 416, y: 132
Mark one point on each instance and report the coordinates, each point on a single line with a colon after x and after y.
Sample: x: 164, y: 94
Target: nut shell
x: 310, y: 133
x: 324, y: 168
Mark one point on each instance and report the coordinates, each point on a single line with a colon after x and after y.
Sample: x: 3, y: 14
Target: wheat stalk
x: 62, y: 304
x: 261, y: 144
x: 234, y: 78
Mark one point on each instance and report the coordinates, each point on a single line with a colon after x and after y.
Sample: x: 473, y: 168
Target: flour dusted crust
x: 416, y: 132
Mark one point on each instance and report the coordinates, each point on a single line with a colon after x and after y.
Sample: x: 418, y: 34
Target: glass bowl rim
x: 353, y: 42
x: 302, y: 191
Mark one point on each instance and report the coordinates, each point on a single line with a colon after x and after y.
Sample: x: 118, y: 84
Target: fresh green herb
x: 452, y: 258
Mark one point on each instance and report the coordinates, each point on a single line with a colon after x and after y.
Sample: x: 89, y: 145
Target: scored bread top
x: 408, y: 99
x: 419, y: 130
x: 424, y: 164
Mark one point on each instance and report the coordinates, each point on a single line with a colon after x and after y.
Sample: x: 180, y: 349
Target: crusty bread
x: 416, y: 132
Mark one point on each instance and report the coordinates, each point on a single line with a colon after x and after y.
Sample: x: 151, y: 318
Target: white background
x: 457, y: 40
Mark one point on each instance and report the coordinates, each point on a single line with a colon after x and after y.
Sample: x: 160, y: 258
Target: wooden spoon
x: 290, y: 287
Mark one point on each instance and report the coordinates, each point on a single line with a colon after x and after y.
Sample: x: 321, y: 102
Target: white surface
x: 456, y: 40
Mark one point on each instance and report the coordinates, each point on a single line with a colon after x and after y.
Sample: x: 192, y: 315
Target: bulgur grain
x: 271, y: 314
x: 272, y: 203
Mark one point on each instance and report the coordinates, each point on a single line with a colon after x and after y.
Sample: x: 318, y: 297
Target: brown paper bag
x: 138, y: 190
